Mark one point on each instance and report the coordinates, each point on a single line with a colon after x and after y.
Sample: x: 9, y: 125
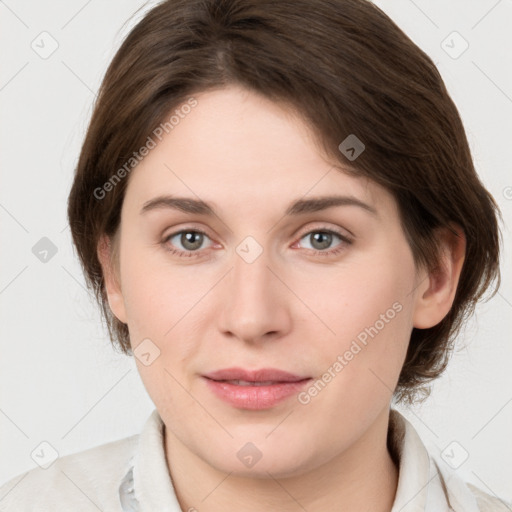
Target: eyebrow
x: 298, y: 207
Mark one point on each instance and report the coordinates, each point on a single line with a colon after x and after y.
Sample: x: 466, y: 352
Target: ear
x: 111, y: 277
x: 436, y: 291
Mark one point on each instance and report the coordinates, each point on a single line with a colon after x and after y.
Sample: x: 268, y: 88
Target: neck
x: 362, y: 478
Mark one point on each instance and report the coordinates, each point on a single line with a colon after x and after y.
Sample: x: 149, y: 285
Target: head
x: 197, y: 215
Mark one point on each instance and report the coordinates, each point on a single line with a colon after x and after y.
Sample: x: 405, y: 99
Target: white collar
x: 148, y: 485
x: 422, y: 485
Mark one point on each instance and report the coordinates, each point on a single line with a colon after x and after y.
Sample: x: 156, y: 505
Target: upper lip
x: 261, y: 375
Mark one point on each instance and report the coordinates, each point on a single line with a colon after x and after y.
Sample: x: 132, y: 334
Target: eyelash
x: 191, y: 254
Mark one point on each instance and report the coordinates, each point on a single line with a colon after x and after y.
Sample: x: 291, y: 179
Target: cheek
x: 356, y: 296
x: 168, y: 305
x: 158, y: 296
x: 367, y: 307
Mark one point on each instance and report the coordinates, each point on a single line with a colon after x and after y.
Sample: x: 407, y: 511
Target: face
x: 262, y: 322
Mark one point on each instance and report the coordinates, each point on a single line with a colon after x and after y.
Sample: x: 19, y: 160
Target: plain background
x: 60, y: 380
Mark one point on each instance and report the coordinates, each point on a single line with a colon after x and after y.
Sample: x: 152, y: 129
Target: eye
x: 190, y: 240
x: 322, y: 239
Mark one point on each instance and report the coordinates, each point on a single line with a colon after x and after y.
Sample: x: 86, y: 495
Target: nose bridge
x: 254, y: 305
x: 250, y: 273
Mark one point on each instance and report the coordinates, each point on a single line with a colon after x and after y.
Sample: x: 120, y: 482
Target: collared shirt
x: 131, y: 475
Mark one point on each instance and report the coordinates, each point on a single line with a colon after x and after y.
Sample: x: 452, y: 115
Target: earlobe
x: 436, y: 292
x: 111, y: 278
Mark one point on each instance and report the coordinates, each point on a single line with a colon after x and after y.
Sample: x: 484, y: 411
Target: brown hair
x: 346, y: 68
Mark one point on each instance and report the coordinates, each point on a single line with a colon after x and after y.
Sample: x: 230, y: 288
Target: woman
x: 277, y: 209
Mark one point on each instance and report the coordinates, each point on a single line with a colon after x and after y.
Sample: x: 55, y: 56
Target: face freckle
x: 252, y: 298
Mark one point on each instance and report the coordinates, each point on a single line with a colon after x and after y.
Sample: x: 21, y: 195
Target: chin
x: 248, y: 459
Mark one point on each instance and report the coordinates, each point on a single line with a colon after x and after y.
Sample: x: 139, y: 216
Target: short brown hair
x: 346, y: 68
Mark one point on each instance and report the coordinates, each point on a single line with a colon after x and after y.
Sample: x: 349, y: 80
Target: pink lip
x: 281, y: 385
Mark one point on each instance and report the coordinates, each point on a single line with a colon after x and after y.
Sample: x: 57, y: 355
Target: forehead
x: 236, y: 147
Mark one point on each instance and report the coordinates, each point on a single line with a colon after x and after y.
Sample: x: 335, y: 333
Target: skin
x: 291, y: 309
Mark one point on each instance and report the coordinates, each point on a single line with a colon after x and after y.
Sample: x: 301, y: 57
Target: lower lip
x: 255, y: 397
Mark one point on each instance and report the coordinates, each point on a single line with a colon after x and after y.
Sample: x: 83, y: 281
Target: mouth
x: 254, y: 389
x: 251, y: 383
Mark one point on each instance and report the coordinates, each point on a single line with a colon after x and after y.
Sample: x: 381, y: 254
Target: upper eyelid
x: 336, y: 231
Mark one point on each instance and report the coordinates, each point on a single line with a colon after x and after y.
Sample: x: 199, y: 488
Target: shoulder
x: 86, y: 480
x: 488, y: 503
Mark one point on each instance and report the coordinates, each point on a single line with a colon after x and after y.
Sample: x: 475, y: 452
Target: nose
x: 255, y: 302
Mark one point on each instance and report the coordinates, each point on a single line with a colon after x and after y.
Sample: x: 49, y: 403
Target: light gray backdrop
x: 60, y: 381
